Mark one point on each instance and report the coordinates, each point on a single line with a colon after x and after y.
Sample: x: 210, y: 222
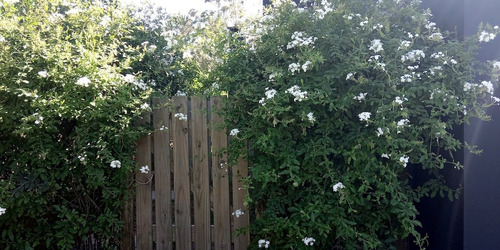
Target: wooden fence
x: 187, y: 199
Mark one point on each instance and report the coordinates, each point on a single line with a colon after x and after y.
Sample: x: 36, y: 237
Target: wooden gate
x: 187, y: 199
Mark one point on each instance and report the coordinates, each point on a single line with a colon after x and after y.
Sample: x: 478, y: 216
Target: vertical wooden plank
x: 128, y: 218
x: 200, y: 178
x: 162, y: 156
x: 240, y: 171
x: 181, y: 175
x: 143, y: 192
x: 220, y: 180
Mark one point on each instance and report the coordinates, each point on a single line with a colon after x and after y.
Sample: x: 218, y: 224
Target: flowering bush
x: 338, y: 100
x: 68, y: 102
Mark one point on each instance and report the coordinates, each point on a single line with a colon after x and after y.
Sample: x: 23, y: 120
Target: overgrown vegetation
x: 336, y: 100
x: 68, y: 103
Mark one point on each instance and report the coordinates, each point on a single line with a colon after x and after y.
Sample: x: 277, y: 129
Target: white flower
x: 129, y: 78
x: 294, y: 67
x: 38, y: 117
x: 43, y: 73
x: 181, y: 116
x: 2, y: 210
x: 430, y: 25
x: 486, y: 37
x: 2, y: 39
x: 270, y: 93
x: 272, y: 77
x: 295, y: 91
x: 364, y: 116
x: 453, y: 61
x: 145, y: 106
x: 468, y: 86
x: 83, y: 81
x: 437, y: 55
x: 488, y: 85
x: 238, y: 213
x: 310, y: 117
x: 144, y: 169
x: 306, y: 65
x: 377, y: 26
x: 73, y: 11
x: 404, y: 44
x: 82, y: 157
x: 406, y: 78
x: 413, y: 56
x: 115, y: 164
x: 105, y: 21
x: 496, y: 64
x: 404, y: 159
x: 180, y: 93
x: 496, y: 27
x: 379, y: 132
x: 308, y: 241
x: 234, y: 132
x: 376, y: 46
x: 264, y: 243
x: 402, y: 123
x: 363, y: 23
x: 163, y: 128
x: 385, y: 156
x: 400, y: 100
x: 338, y: 186
x: 360, y: 97
x: 299, y: 38
x: 350, y: 75
x: 436, y: 37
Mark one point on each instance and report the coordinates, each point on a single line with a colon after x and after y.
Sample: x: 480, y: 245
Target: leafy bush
x: 337, y: 100
x: 67, y: 112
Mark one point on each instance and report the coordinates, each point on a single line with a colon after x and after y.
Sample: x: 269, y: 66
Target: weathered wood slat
x: 220, y: 180
x: 182, y: 210
x: 240, y: 171
x: 161, y: 147
x: 143, y: 192
x: 200, y: 175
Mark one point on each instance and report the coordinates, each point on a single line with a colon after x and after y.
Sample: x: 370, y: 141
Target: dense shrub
x: 68, y: 102
x: 338, y: 100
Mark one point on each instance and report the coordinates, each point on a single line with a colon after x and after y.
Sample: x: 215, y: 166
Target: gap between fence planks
x: 191, y: 154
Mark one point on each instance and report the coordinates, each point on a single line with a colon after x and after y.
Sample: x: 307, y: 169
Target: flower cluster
x: 308, y: 241
x: 360, y: 97
x: 83, y: 81
x: 364, y: 116
x: 338, y: 186
x: 238, y: 213
x: 234, y: 132
x: 310, y: 117
x: 43, y: 74
x: 486, y: 37
x: 263, y: 243
x: 413, y: 56
x: 269, y: 94
x: 144, y: 169
x: 376, y: 45
x: 297, y: 93
x: 115, y: 164
x: 181, y: 116
x: 404, y: 160
x: 2, y: 211
x: 299, y: 39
